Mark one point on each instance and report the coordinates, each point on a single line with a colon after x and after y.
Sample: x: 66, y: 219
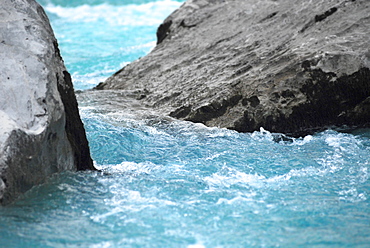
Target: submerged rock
x: 290, y: 66
x: 40, y: 128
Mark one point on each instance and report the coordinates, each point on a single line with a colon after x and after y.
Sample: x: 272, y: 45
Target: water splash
x: 98, y: 39
x: 168, y: 183
x: 151, y: 13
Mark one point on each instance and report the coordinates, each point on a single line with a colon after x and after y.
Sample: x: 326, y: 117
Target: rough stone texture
x: 40, y: 128
x: 290, y: 66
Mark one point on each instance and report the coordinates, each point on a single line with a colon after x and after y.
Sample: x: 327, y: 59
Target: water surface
x: 169, y: 183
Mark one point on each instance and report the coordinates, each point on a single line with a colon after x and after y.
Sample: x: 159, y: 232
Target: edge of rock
x: 41, y: 132
x: 290, y: 66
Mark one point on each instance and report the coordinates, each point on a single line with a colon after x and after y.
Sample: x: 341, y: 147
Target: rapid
x: 170, y: 183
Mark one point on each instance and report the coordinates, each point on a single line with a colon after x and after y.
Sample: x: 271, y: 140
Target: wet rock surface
x: 290, y: 66
x: 41, y: 132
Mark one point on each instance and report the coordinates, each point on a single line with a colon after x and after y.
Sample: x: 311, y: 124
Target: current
x: 170, y: 183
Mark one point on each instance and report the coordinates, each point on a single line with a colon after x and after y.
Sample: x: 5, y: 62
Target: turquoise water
x: 168, y: 183
x: 99, y: 37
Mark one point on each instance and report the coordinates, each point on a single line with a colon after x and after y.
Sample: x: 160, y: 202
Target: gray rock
x: 40, y: 128
x: 290, y: 66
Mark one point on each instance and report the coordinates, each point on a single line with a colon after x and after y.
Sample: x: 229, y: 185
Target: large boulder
x: 40, y: 128
x: 290, y: 66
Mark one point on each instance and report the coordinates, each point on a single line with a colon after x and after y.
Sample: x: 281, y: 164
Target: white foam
x: 262, y: 135
x: 200, y: 245
x: 133, y: 168
x: 307, y: 139
x: 90, y: 79
x: 234, y: 177
x: 333, y: 141
x: 152, y: 13
x: 149, y: 46
x: 352, y: 195
x: 125, y: 200
x: 237, y: 199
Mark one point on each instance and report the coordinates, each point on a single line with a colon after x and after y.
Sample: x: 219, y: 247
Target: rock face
x: 40, y: 128
x: 290, y: 66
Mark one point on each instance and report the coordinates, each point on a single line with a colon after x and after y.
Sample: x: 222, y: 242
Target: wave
x: 147, y: 14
